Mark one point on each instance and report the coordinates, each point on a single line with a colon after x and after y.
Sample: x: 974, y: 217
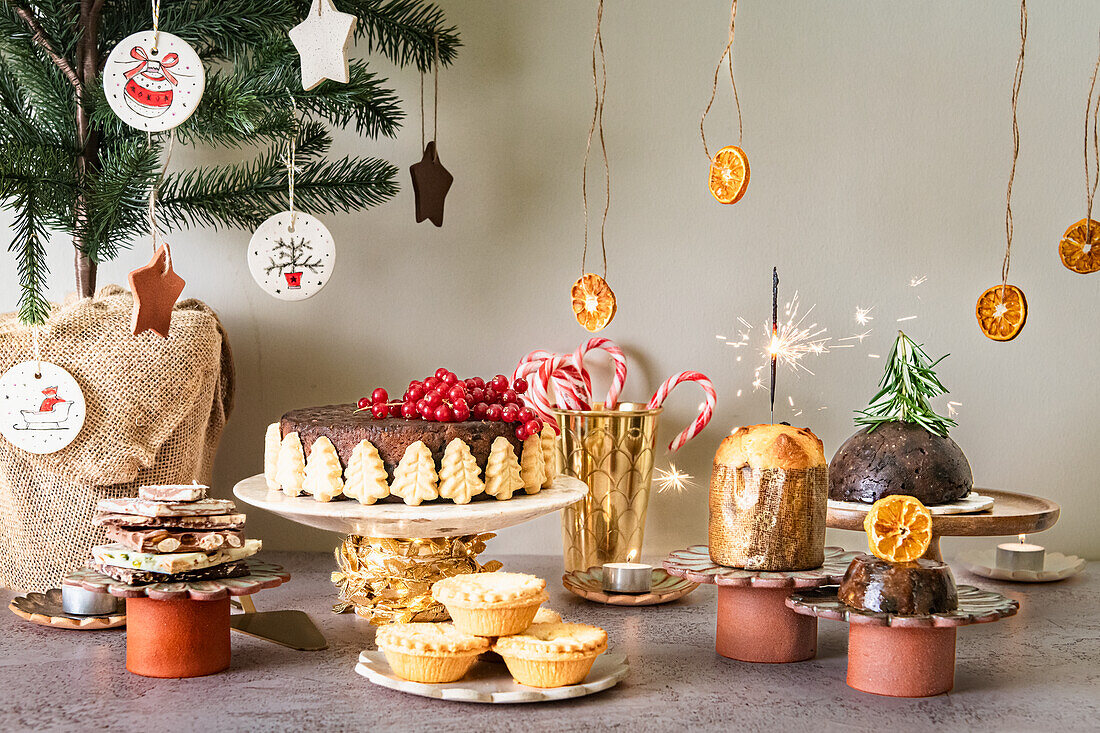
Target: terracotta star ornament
x: 156, y: 288
x: 431, y: 181
x: 322, y: 40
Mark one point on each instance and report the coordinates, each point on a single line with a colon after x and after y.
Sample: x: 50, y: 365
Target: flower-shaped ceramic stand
x: 754, y: 622
x: 903, y: 656
x: 179, y: 629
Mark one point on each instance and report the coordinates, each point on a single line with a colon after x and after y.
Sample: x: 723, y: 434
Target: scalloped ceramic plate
x: 969, y: 504
x: 491, y: 683
x: 1056, y: 566
x: 588, y: 584
x: 45, y: 609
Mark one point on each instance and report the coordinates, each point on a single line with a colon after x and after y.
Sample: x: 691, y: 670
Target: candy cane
x: 569, y: 395
x: 529, y: 365
x: 705, y: 414
x: 606, y: 344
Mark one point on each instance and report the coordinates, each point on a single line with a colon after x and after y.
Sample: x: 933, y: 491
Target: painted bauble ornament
x: 42, y: 407
x: 153, y: 81
x: 291, y: 260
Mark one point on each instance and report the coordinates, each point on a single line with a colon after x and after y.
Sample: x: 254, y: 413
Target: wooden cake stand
x: 754, y: 622
x: 179, y: 629
x: 903, y: 656
x: 1012, y: 514
x: 393, y: 552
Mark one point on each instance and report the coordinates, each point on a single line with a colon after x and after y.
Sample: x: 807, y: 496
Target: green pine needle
x: 907, y: 385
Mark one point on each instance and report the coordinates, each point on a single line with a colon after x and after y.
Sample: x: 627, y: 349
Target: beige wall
x: 880, y: 145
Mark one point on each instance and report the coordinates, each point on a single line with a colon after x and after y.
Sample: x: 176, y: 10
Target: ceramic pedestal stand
x: 380, y: 575
x: 903, y: 656
x: 1012, y: 514
x: 179, y: 629
x: 754, y: 622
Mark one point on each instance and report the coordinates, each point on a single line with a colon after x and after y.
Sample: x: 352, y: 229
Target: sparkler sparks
x: 673, y: 479
x: 917, y: 280
x: 863, y: 315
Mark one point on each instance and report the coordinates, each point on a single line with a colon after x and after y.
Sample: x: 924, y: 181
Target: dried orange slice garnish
x: 1080, y: 247
x: 729, y: 174
x: 593, y: 302
x: 899, y: 528
x: 1002, y: 320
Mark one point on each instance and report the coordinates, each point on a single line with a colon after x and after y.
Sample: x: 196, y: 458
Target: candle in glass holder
x: 627, y: 577
x: 80, y: 601
x: 1020, y: 556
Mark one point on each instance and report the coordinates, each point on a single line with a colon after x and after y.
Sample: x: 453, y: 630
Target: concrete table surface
x: 1039, y: 670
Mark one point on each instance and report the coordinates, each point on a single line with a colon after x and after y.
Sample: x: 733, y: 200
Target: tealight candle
x: 1020, y: 556
x: 82, y: 602
x: 627, y: 577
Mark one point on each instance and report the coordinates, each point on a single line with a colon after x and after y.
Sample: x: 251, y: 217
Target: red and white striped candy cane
x: 565, y: 378
x: 567, y: 390
x: 705, y: 414
x: 606, y: 344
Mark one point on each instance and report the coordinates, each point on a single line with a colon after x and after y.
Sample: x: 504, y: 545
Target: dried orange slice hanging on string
x: 899, y: 528
x: 593, y: 302
x: 1080, y: 247
x: 729, y: 174
x: 1002, y: 320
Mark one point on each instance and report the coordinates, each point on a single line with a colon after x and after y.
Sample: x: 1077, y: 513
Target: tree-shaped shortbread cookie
x: 532, y: 465
x: 414, y: 479
x: 459, y: 476
x: 290, y: 469
x: 324, y: 477
x: 502, y: 477
x: 549, y: 455
x: 272, y: 441
x: 365, y: 477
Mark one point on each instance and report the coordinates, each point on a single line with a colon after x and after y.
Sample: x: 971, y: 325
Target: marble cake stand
x: 1011, y: 514
x: 754, y: 622
x: 179, y: 629
x: 903, y: 656
x: 392, y: 526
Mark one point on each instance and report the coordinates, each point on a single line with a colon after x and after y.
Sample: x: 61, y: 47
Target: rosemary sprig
x: 905, y: 390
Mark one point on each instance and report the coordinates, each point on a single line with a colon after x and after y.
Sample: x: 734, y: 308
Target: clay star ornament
x: 156, y: 288
x: 322, y: 40
x: 431, y: 181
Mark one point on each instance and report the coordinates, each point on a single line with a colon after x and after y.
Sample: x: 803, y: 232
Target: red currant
x: 520, y: 385
x: 426, y: 411
x: 363, y: 403
x: 520, y: 403
x: 510, y: 413
x: 491, y: 395
x: 461, y: 411
x: 534, y: 427
x: 476, y: 394
x: 378, y: 410
x: 449, y: 379
x: 521, y: 433
x: 431, y: 383
x: 495, y: 413
x: 509, y: 395
x: 460, y: 403
x: 379, y: 395
x: 440, y: 373
x: 409, y: 411
x: 444, y: 414
x: 500, y: 383
x: 475, y: 382
x: 434, y: 399
x: 394, y: 410
x: 414, y: 392
x: 526, y: 414
x: 481, y: 411
x: 457, y: 392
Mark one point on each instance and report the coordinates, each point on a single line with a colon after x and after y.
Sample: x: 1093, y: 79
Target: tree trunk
x: 87, y: 59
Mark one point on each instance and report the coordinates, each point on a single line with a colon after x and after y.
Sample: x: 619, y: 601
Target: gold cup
x: 612, y: 452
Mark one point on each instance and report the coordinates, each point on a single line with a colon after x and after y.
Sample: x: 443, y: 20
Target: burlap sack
x: 155, y: 412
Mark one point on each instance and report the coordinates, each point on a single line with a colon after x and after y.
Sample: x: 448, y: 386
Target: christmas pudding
x: 447, y: 439
x: 768, y: 496
x: 904, y: 448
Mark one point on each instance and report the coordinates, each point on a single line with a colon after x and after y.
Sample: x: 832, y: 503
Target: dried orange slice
x: 593, y: 302
x: 1002, y: 320
x: 729, y: 174
x: 1080, y: 247
x: 899, y: 528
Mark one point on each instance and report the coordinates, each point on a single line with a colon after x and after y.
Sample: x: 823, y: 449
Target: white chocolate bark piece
x: 459, y: 476
x: 532, y: 465
x: 176, y: 562
x: 273, y: 440
x: 324, y: 477
x: 147, y: 508
x: 290, y: 471
x: 502, y: 476
x: 173, y: 492
x: 415, y: 479
x: 365, y: 478
x: 549, y: 455
x: 205, y: 521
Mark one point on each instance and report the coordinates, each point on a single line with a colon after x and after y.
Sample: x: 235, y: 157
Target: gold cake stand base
x: 389, y: 580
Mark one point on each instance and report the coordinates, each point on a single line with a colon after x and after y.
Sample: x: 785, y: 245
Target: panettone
x: 768, y: 498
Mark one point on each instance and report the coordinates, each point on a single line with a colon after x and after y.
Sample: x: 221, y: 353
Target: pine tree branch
x: 44, y: 42
x: 116, y: 197
x: 907, y: 386
x: 405, y: 31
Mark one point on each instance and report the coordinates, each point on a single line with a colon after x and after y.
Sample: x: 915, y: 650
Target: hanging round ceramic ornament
x: 42, y: 407
x: 291, y: 255
x: 153, y: 80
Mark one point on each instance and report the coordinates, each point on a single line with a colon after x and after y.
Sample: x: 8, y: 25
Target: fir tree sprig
x: 907, y: 385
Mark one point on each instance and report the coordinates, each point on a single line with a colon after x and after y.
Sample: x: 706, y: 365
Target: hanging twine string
x: 727, y: 55
x: 435, y: 99
x: 37, y: 354
x: 1017, y: 80
x: 1093, y: 177
x: 155, y: 188
x: 292, y: 167
x: 600, y: 87
x: 156, y: 24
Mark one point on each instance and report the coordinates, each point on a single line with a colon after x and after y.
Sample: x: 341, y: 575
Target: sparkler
x: 863, y: 315
x: 773, y: 347
x: 672, y: 480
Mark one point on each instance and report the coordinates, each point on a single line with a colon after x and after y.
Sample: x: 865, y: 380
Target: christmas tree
x: 67, y: 164
x: 908, y: 384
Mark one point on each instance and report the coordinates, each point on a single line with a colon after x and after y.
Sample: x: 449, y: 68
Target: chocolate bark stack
x: 169, y: 534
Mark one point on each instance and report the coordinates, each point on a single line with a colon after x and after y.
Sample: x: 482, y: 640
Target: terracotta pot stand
x: 754, y: 622
x: 903, y: 656
x: 179, y: 629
